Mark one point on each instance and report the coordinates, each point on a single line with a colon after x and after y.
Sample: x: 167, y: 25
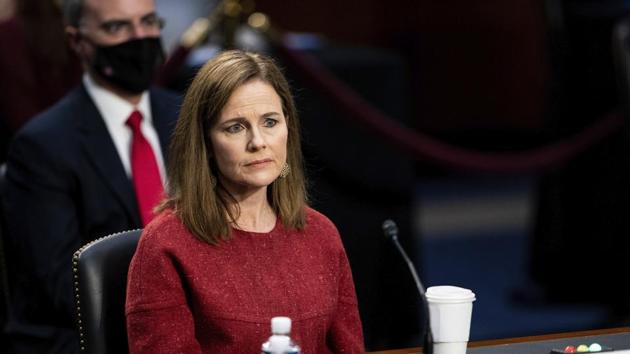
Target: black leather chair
x: 100, y: 282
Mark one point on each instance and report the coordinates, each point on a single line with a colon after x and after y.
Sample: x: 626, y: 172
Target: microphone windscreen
x: 389, y: 228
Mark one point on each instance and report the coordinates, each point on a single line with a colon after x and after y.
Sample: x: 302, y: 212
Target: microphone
x: 390, y: 229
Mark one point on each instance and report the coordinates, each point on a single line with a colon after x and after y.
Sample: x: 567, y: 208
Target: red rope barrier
x: 422, y: 146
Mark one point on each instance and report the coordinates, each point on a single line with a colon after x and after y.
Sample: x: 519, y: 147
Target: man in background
x: 91, y: 165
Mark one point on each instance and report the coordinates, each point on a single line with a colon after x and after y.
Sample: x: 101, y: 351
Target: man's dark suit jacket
x: 66, y: 186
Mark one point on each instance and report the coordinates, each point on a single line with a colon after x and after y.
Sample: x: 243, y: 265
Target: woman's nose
x: 256, y: 140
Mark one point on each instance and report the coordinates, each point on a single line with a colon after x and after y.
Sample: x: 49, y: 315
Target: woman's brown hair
x: 195, y: 193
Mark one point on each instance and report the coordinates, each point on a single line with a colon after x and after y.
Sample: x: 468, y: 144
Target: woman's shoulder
x: 316, y: 219
x: 166, y: 229
x: 319, y: 225
x: 165, y: 218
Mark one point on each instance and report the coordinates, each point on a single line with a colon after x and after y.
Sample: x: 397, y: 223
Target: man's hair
x: 72, y: 12
x: 195, y: 193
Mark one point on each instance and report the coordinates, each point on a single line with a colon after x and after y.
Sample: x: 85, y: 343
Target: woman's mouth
x: 258, y: 162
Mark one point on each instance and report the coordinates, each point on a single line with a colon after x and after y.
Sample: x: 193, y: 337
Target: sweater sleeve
x: 159, y: 319
x: 345, y: 335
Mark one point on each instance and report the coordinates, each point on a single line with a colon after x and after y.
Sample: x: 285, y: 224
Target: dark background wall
x: 474, y: 64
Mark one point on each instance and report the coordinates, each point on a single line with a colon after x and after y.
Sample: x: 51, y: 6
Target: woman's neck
x: 256, y: 214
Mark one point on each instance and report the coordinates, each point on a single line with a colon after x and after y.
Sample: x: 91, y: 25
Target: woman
x: 235, y: 243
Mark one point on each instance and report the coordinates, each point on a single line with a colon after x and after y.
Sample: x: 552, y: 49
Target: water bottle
x: 280, y: 342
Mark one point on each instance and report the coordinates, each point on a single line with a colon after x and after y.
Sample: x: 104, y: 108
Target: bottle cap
x: 280, y: 325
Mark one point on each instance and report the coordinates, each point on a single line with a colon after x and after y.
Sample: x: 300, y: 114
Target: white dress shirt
x: 115, y: 112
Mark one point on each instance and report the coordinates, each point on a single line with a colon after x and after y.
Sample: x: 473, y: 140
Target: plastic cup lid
x: 449, y: 294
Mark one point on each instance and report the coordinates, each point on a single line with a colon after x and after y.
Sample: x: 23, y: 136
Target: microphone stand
x: 391, y: 232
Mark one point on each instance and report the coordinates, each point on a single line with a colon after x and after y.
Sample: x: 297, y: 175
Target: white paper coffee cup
x: 450, y: 309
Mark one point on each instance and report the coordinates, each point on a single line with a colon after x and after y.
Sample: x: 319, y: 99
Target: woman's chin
x: 251, y: 184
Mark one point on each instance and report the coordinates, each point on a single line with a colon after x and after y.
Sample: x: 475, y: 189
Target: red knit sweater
x: 186, y: 296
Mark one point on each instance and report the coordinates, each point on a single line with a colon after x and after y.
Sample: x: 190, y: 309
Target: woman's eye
x: 269, y: 122
x: 233, y: 129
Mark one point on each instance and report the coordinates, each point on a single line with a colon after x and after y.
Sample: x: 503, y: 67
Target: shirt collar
x: 112, y: 107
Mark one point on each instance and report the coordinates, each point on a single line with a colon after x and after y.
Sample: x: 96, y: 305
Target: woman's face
x: 249, y: 139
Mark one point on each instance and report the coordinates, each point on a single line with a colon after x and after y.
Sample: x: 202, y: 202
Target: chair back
x: 100, y: 281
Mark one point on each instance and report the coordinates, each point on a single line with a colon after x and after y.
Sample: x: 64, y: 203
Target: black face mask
x: 129, y: 65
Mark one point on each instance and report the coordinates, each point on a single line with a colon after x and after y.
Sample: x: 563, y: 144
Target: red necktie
x: 144, y: 170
